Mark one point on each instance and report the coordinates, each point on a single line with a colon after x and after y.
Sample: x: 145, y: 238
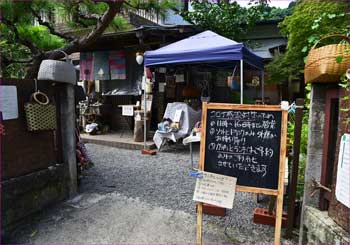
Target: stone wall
x: 33, y: 173
x: 21, y: 196
x: 315, y: 142
x: 317, y: 226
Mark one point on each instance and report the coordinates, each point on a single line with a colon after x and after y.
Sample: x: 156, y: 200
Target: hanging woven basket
x: 322, y: 65
x: 58, y: 71
x: 40, y: 114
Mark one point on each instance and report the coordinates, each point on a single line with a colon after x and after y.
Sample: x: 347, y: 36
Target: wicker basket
x: 40, y: 115
x: 321, y: 64
x: 58, y: 71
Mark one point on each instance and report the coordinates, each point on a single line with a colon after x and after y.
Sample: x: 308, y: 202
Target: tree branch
x: 77, y: 44
x: 315, y: 185
x: 9, y: 61
x: 49, y: 27
x: 138, y: 6
x: 89, y: 16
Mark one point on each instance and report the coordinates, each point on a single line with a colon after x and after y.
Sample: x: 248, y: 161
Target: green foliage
x: 280, y: 69
x: 227, y: 19
x: 304, y: 28
x: 119, y: 23
x: 40, y: 36
x: 230, y: 19
x: 154, y: 6
x: 24, y: 39
x: 345, y: 84
x: 273, y: 13
x: 310, y: 21
x: 22, y: 28
x: 236, y: 98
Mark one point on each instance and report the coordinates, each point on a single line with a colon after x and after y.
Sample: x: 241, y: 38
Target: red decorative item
x: 148, y: 73
x: 148, y: 152
x: 2, y: 129
x: 213, y: 210
x: 262, y: 216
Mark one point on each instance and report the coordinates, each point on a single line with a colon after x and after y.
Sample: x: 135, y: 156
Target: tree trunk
x: 77, y: 44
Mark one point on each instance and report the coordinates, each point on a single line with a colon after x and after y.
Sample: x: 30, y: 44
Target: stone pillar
x: 314, y: 148
x: 68, y: 137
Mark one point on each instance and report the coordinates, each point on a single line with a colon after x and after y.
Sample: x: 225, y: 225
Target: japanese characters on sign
x: 342, y: 188
x: 8, y: 102
x: 244, y: 144
x: 215, y: 189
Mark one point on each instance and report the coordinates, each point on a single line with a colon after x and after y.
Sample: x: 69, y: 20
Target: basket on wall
x: 40, y: 113
x: 322, y: 65
x: 58, y: 71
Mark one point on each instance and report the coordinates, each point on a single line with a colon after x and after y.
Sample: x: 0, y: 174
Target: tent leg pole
x: 144, y: 120
x: 241, y: 76
x: 262, y: 87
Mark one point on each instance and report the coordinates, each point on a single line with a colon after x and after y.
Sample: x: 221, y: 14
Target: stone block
x: 318, y: 91
x: 321, y: 229
x: 315, y: 142
x: 313, y: 170
x: 28, y: 194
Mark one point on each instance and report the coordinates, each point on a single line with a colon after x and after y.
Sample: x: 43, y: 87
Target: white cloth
x: 188, y: 120
x: 90, y: 127
x: 192, y: 138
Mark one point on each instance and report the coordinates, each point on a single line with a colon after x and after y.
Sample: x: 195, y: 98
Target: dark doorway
x: 329, y: 146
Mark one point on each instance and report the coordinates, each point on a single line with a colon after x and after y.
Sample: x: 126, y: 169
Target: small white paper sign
x: 342, y: 188
x: 8, y: 102
x: 161, y: 87
x: 179, y: 78
x: 177, y: 116
x: 215, y: 189
x: 162, y: 70
x: 148, y: 105
x: 127, y: 110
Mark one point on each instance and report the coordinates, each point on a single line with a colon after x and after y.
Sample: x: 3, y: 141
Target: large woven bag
x: 322, y: 65
x: 40, y: 114
x: 58, y: 71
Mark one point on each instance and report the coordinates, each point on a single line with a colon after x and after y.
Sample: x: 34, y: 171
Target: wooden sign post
x: 247, y: 142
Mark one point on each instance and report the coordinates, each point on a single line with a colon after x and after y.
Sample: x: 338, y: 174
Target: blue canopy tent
x: 206, y: 47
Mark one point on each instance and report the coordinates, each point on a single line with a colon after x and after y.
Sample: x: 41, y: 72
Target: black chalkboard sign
x: 244, y: 143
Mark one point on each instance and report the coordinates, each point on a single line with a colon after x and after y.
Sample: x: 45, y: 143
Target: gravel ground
x: 132, y: 198
x: 162, y: 180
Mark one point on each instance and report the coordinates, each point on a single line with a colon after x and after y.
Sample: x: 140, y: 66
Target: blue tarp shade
x: 205, y: 47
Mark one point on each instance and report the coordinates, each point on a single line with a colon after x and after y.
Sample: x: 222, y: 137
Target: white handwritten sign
x: 177, y: 116
x: 127, y: 110
x: 342, y: 189
x: 8, y: 102
x: 215, y: 189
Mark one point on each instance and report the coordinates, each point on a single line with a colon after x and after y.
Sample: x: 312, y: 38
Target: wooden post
x: 279, y: 208
x: 201, y: 167
x: 241, y: 81
x: 199, y: 223
x: 295, y: 166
